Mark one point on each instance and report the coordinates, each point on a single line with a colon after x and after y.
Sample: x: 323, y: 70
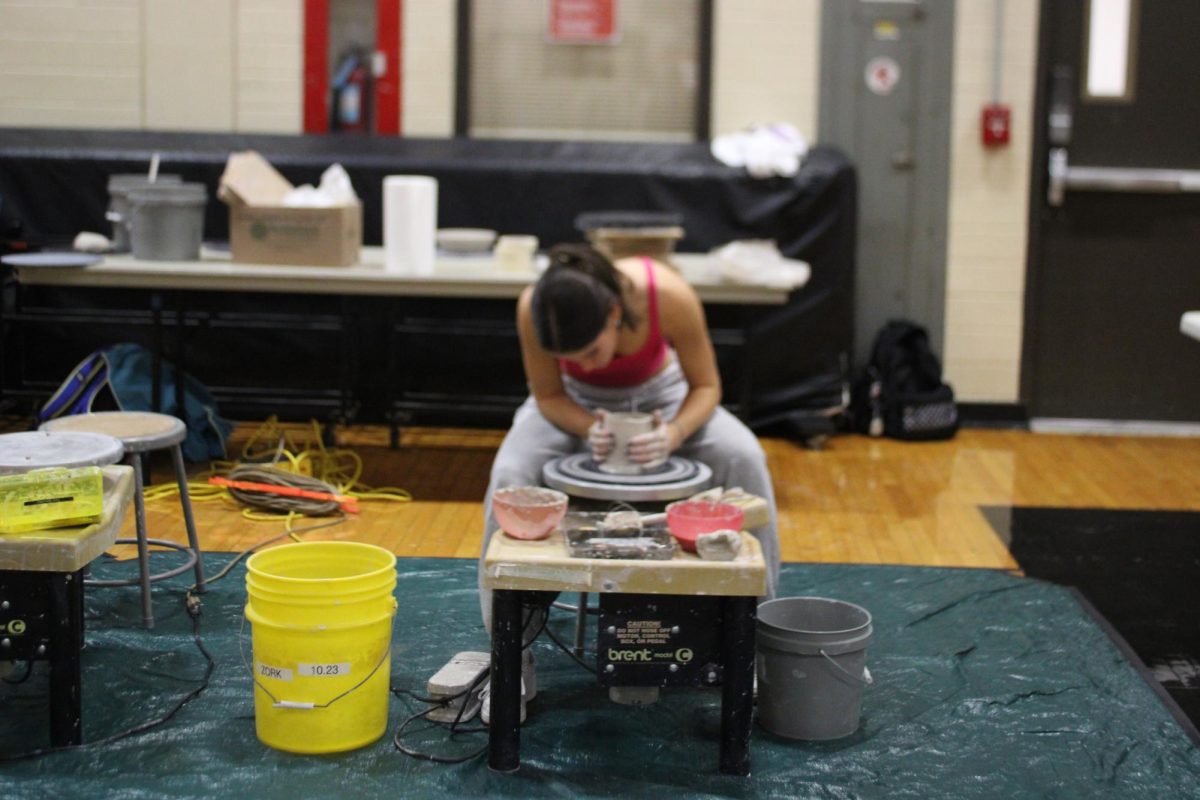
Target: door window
x: 1109, y: 51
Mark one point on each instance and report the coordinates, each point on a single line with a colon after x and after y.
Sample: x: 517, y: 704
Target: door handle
x: 903, y: 160
x: 1115, y: 179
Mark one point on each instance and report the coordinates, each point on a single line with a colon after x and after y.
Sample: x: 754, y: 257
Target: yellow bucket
x: 322, y: 631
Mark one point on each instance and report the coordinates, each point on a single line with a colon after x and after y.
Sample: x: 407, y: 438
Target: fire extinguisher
x: 351, y: 108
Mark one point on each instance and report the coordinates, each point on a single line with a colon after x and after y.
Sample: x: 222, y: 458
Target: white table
x: 176, y: 290
x: 453, y: 276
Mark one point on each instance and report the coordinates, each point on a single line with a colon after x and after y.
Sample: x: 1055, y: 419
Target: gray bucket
x: 119, y: 187
x: 166, y: 221
x: 811, y: 666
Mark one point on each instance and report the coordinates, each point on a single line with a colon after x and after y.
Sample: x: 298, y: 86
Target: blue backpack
x: 122, y: 376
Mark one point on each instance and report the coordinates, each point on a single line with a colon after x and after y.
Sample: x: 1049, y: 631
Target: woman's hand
x: 600, y: 437
x: 654, y: 448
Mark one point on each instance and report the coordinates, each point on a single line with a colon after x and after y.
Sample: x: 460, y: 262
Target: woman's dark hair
x: 572, y: 299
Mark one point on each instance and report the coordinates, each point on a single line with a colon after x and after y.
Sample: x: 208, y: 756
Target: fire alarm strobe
x: 996, y: 124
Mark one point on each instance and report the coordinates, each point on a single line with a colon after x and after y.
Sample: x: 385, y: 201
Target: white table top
x: 453, y: 276
x: 1190, y: 324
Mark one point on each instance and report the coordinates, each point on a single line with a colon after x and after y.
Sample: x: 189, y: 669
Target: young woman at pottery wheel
x: 600, y: 337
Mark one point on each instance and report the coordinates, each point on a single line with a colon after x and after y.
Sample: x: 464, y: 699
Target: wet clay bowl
x: 529, y: 512
x: 688, y: 519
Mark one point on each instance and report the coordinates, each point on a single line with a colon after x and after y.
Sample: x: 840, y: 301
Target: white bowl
x: 465, y: 240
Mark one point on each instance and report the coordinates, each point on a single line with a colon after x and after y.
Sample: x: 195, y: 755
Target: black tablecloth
x: 55, y: 182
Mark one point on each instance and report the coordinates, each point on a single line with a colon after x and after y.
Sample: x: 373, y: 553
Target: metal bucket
x: 119, y: 187
x: 811, y: 666
x: 166, y: 221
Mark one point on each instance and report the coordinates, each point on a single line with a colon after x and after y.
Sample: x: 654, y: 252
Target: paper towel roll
x: 409, y: 223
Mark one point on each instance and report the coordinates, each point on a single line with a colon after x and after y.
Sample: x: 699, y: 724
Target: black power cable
x: 193, y: 609
x: 443, y: 702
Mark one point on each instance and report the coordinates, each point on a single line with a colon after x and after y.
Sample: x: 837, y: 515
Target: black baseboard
x: 993, y: 415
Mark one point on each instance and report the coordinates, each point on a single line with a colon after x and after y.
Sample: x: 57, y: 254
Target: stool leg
x: 186, y: 500
x: 581, y: 624
x: 139, y: 504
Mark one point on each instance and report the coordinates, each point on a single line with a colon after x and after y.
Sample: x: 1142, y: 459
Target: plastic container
x: 811, y: 666
x: 529, y: 512
x: 515, y: 253
x: 119, y: 187
x: 322, y: 629
x: 688, y: 519
x: 166, y: 221
x: 622, y: 234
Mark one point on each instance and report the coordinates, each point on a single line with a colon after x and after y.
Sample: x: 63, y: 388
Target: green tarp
x: 986, y: 685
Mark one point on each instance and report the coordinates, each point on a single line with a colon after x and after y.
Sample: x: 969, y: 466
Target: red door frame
x: 388, y: 30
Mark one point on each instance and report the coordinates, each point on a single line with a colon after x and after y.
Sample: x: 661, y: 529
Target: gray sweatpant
x: 724, y: 443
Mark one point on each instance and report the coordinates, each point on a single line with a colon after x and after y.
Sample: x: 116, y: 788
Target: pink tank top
x: 636, y: 367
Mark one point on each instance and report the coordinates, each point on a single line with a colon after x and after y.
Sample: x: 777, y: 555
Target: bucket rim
x: 867, y: 623
x: 361, y: 546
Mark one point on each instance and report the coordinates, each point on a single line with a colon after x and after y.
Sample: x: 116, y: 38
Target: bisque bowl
x: 529, y: 512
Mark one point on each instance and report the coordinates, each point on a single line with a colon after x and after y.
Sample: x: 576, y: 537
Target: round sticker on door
x: 882, y: 74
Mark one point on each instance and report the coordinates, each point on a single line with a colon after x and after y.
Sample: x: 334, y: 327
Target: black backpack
x: 901, y: 394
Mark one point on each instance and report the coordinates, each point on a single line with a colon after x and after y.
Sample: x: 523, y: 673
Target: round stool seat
x: 139, y: 431
x: 21, y: 452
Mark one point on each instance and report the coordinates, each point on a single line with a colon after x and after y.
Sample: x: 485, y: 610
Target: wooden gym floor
x: 858, y: 500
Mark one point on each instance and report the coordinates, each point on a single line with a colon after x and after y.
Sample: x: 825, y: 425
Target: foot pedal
x: 458, y: 683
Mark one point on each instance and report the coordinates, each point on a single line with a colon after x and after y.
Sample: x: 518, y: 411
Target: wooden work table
x: 705, y: 609
x: 545, y: 565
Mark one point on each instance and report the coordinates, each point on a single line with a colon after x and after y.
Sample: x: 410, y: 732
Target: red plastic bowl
x: 690, y: 518
x: 529, y: 512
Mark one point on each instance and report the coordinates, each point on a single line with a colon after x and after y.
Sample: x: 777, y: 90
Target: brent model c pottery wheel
x: 579, y: 476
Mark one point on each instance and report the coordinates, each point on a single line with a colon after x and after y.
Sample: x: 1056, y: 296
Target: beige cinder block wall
x: 238, y: 65
x: 989, y: 204
x: 766, y: 64
x: 217, y: 65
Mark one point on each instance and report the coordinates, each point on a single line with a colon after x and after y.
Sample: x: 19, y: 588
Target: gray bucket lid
x: 125, y: 181
x: 169, y: 194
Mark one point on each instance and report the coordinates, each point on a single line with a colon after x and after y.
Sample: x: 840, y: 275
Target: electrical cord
x: 290, y: 461
x: 193, y: 611
x: 445, y: 701
x: 570, y: 652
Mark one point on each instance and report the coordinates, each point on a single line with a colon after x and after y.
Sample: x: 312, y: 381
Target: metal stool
x: 144, y: 432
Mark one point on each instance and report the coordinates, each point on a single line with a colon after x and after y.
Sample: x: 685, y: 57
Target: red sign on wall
x: 583, y: 21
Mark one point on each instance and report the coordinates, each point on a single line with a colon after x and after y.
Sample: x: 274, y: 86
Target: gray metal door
x: 884, y: 100
x: 1115, y: 226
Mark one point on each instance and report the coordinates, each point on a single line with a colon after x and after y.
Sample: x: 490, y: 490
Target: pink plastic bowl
x: 529, y: 512
x: 690, y: 518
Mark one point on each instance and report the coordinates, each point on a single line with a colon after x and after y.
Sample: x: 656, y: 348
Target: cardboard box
x: 263, y: 231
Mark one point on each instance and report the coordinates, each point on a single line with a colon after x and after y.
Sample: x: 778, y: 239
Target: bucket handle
x: 305, y: 705
x: 865, y: 680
